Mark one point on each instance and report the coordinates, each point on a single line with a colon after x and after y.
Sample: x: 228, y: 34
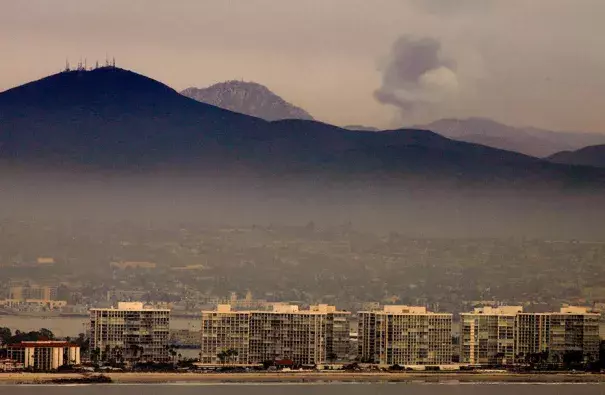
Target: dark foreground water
x: 307, y: 389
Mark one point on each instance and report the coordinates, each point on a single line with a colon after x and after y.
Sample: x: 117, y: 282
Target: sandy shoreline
x: 310, y: 377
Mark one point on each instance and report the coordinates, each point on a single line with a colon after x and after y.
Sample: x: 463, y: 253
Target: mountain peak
x: 86, y: 87
x: 248, y: 98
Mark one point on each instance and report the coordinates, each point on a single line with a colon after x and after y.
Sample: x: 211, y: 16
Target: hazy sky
x: 374, y: 62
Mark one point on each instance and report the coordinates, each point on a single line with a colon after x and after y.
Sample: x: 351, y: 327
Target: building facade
x: 130, y: 333
x: 304, y: 337
x: 507, y: 335
x: 45, y: 293
x: 574, y: 330
x: 532, y: 336
x: 225, y: 330
x: 487, y: 335
x: 405, y: 335
x: 338, y: 333
x: 44, y: 355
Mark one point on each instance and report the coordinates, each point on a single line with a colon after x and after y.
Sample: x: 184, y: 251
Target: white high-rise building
x: 487, y: 335
x: 305, y: 337
x: 507, y: 335
x: 574, y: 330
x: 405, y: 335
x: 130, y: 332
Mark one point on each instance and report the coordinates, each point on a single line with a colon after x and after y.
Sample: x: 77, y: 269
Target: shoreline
x: 309, y: 377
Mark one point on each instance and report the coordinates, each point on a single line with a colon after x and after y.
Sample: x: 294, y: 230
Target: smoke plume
x: 417, y: 75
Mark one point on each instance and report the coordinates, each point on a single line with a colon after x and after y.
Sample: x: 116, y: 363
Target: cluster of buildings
x: 32, y: 297
x: 399, y: 335
x: 321, y: 335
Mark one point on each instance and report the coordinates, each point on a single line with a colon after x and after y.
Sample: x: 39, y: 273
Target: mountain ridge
x: 528, y: 140
x: 593, y: 155
x: 118, y: 119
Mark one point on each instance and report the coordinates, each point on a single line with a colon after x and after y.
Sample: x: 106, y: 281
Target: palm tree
x: 172, y: 352
x: 118, y: 354
x: 228, y: 356
x: 95, y: 355
x: 105, y: 355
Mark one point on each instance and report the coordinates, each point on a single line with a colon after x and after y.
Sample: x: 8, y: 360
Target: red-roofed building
x: 44, y: 355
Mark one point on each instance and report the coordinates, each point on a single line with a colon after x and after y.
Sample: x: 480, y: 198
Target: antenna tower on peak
x: 67, y: 65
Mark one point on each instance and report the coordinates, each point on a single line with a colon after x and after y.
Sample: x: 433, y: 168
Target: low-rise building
x: 405, y: 335
x: 44, y: 355
x: 185, y: 337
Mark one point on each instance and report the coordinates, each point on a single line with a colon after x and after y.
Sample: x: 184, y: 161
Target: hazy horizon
x: 346, y: 62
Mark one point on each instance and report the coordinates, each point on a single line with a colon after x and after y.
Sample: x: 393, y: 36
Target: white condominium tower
x: 487, y: 335
x: 405, y: 335
x: 507, y: 335
x: 305, y: 337
x: 130, y: 332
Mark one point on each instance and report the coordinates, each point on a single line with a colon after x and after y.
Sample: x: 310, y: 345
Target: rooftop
x: 42, y: 344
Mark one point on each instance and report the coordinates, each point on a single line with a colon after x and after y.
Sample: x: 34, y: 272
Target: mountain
x: 588, y: 156
x: 247, y: 98
x: 115, y: 119
x: 530, y: 141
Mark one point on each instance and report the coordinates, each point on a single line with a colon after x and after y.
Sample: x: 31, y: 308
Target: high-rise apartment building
x: 306, y: 337
x: 532, y: 335
x: 405, y: 335
x: 574, y: 330
x: 487, y: 335
x: 506, y: 335
x: 130, y: 332
x: 225, y: 330
x: 338, y: 333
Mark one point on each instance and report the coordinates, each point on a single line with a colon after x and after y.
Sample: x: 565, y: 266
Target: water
x: 308, y: 389
x: 72, y: 326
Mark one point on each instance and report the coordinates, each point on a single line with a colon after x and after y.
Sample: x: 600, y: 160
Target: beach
x: 309, y: 377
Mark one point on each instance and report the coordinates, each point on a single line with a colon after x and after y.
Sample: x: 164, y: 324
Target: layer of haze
x: 413, y: 209
x: 522, y: 62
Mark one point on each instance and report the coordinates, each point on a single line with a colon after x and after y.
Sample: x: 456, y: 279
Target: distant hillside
x: 587, y: 156
x: 530, y: 141
x: 247, y: 98
x: 115, y: 119
x: 361, y: 128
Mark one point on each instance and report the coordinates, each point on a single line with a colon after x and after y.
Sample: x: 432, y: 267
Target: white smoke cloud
x: 417, y: 75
